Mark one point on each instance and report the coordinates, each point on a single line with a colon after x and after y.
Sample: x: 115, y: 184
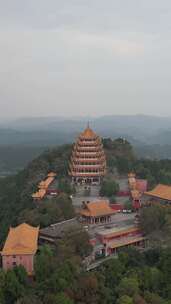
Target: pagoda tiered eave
x: 88, y: 162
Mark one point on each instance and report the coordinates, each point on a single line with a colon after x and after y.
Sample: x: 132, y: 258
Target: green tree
x: 152, y: 256
x: 123, y: 165
x: 29, y: 299
x: 64, y: 185
x: 44, y: 266
x: 153, y: 298
x: 113, y: 271
x: 128, y: 286
x: 62, y: 298
x: 131, y: 258
x: 139, y: 300
x: 2, y: 286
x: 153, y: 219
x: 13, y: 289
x: 151, y: 278
x: 109, y: 188
x: 128, y: 205
x: 49, y: 212
x: 125, y: 300
x: 87, y: 290
x: 21, y: 274
x: 79, y: 241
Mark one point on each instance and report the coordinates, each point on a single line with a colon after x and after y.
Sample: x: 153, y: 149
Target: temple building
x: 96, y: 212
x: 56, y: 232
x: 137, y: 187
x: 160, y: 194
x: 88, y: 161
x: 43, y: 187
x: 111, y: 241
x: 135, y: 183
x: 20, y: 248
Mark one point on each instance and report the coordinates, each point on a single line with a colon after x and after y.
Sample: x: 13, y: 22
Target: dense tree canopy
x: 155, y: 221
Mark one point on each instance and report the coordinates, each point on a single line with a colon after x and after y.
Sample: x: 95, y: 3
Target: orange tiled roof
x: 51, y: 174
x: 160, y: 191
x: 39, y: 194
x: 88, y: 133
x: 21, y: 240
x: 45, y: 184
x: 48, y: 181
x: 41, y: 184
x: 97, y: 208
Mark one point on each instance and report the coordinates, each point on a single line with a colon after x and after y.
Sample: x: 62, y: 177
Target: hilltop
x: 15, y: 191
x: 17, y: 205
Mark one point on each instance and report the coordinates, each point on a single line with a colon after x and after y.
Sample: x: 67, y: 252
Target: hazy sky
x: 85, y: 57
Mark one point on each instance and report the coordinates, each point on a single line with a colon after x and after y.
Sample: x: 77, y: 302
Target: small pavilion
x: 96, y: 212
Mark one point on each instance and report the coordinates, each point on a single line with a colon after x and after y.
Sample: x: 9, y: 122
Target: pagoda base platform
x: 86, y: 180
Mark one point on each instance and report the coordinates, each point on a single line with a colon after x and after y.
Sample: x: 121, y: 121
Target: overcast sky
x: 85, y: 57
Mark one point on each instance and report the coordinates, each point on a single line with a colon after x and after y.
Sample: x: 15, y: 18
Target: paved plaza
x: 86, y: 193
x: 91, y: 193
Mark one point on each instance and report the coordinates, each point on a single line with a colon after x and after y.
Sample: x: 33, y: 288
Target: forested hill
x: 15, y: 191
x: 16, y: 204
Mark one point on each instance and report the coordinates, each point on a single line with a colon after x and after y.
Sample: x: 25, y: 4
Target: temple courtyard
x: 85, y: 193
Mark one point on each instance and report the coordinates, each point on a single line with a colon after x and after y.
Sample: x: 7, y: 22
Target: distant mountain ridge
x: 23, y: 139
x: 128, y: 120
x: 138, y: 129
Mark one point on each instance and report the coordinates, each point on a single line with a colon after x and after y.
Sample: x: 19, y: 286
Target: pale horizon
x: 83, y: 118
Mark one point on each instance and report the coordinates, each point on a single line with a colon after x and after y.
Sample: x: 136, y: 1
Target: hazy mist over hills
x: 23, y: 139
x: 139, y: 129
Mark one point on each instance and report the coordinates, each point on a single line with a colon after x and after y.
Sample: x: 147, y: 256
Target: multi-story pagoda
x: 88, y: 162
